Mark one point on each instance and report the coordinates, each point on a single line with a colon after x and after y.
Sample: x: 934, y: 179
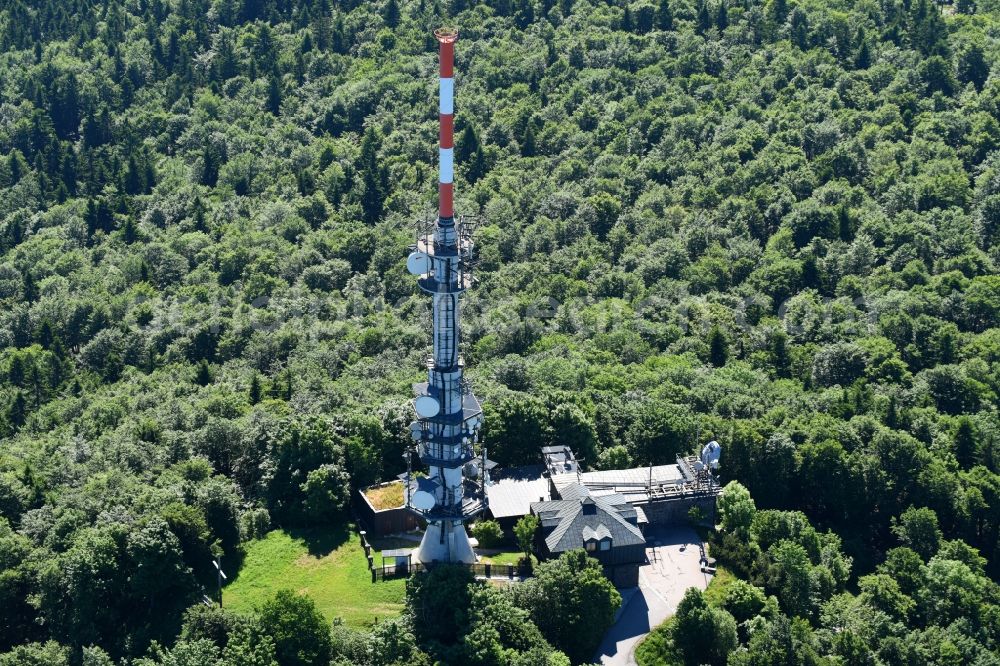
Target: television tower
x: 449, y: 416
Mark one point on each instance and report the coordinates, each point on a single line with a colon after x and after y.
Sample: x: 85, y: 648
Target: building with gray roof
x: 606, y: 526
x: 605, y: 511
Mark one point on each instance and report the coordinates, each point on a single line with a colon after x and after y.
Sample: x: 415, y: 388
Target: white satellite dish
x: 418, y: 263
x: 426, y: 407
x: 711, y: 453
x: 422, y: 500
x: 698, y: 465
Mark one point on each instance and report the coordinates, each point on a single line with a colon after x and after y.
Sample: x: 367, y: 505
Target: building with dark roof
x: 510, y: 494
x: 510, y: 500
x: 604, y: 512
x: 606, y: 526
x: 560, y: 460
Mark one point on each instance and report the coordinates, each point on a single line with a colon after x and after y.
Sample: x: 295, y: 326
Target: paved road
x: 673, y: 567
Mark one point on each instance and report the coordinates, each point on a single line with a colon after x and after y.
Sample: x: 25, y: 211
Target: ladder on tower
x: 446, y: 315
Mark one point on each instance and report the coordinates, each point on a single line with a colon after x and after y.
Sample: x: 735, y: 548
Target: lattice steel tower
x: 448, y: 414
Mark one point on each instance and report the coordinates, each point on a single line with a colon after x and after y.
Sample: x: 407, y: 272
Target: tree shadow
x: 321, y: 541
x: 231, y: 564
x: 672, y: 536
x: 633, y: 621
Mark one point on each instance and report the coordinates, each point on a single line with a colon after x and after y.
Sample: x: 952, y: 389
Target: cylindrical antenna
x: 446, y: 38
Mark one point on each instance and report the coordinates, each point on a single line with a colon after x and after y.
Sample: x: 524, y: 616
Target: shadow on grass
x: 321, y: 541
x: 207, y: 577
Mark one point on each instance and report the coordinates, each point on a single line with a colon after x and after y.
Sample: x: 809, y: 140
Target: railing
x: 390, y: 571
x: 465, y: 227
x: 509, y: 571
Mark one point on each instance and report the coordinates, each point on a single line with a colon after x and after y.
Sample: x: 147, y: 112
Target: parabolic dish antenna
x: 418, y: 263
x: 426, y: 407
x: 422, y: 500
x: 711, y: 453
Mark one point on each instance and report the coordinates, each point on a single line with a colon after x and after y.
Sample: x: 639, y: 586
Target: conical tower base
x: 454, y: 547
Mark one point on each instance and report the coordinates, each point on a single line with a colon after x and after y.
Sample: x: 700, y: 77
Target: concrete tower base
x: 455, y: 546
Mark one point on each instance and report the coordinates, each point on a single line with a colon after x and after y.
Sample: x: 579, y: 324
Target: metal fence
x: 390, y: 571
x: 509, y: 571
x: 623, y: 575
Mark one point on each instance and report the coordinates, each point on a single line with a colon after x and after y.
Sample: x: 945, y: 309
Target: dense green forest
x: 772, y: 223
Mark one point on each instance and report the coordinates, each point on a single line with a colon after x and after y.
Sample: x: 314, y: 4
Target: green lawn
x: 512, y: 557
x: 329, y: 566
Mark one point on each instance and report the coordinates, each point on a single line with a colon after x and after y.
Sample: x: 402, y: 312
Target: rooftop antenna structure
x: 709, y: 458
x: 449, y: 416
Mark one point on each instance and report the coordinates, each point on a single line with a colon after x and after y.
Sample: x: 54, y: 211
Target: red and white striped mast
x: 446, y: 192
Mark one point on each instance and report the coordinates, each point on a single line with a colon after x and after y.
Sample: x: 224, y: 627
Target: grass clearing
x: 506, y: 557
x: 327, y: 565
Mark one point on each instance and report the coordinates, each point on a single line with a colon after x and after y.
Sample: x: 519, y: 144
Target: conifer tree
x: 204, y: 377
x: 373, y: 177
x: 255, y: 389
x: 718, y: 347
x: 134, y: 183
x: 525, y: 14
x: 779, y: 353
x: 528, y: 142
x: 664, y: 16
x: 627, y: 19
x: 30, y: 288
x: 210, y: 166
x: 704, y: 19
x: 15, y: 373
x: 863, y: 58
x: 16, y: 167
x: 274, y: 92
x: 390, y: 14
x: 777, y: 12
x: 18, y: 410
x: 966, y: 444
x: 972, y: 66
x: 128, y: 231
x: 722, y: 18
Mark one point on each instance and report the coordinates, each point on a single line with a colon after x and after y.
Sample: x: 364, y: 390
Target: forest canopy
x: 774, y: 224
